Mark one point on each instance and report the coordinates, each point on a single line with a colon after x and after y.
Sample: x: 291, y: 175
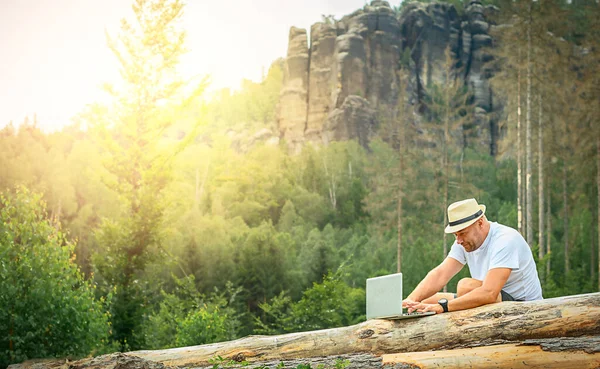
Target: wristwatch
x: 444, y: 303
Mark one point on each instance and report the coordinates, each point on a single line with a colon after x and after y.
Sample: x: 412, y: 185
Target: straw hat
x: 462, y: 214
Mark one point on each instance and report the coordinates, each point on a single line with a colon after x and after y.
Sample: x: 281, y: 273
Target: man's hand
x: 422, y: 308
x: 410, y: 304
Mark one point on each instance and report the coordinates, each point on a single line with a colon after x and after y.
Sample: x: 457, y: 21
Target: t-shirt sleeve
x: 457, y: 252
x: 506, y: 254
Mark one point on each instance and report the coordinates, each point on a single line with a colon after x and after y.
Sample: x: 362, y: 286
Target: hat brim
x: 458, y: 227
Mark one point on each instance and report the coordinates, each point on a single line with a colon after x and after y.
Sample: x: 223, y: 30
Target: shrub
x: 47, y: 308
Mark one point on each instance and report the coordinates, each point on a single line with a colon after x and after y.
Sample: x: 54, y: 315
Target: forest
x: 155, y: 221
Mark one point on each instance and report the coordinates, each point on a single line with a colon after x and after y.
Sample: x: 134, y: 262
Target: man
x: 499, y: 259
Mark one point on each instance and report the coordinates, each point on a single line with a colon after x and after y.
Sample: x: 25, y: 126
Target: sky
x: 54, y: 58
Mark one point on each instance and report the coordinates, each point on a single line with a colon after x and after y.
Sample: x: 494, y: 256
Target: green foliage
x: 252, y: 107
x: 185, y: 317
x: 160, y: 329
x: 218, y: 362
x: 329, y: 304
x: 203, y: 325
x: 48, y: 309
x: 259, y: 266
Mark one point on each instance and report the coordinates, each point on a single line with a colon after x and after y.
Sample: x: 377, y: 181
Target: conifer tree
x: 390, y: 177
x: 449, y: 112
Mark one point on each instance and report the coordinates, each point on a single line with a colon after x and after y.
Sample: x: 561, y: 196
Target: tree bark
x: 501, y: 323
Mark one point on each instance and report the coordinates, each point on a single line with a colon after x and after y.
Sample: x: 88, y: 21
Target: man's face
x: 471, y: 237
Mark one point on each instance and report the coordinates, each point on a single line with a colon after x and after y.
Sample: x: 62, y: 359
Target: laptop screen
x: 384, y: 296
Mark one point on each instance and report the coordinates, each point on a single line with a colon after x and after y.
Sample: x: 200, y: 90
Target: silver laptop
x: 384, y: 298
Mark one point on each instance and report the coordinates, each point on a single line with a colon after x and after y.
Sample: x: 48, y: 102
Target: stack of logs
x: 554, y: 333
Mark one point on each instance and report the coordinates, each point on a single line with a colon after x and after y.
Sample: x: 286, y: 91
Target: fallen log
x: 564, y: 353
x: 128, y: 361
x: 492, y: 324
x: 559, y: 353
x: 502, y: 323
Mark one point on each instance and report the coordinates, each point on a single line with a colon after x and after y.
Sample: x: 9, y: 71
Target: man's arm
x: 433, y: 281
x: 487, y: 293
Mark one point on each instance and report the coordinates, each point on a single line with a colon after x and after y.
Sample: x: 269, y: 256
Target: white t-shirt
x: 503, y: 247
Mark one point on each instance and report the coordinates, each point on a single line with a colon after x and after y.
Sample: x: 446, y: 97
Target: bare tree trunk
x: 519, y: 169
x: 446, y: 169
x: 540, y: 184
x: 332, y: 186
x: 528, y: 190
x: 445, y: 236
x: 200, y: 186
x: 592, y: 254
x: 565, y: 218
x: 401, y: 121
x: 549, y: 234
x: 399, y: 250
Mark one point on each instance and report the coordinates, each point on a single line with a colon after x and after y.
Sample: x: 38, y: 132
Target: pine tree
x: 449, y: 111
x: 392, y: 169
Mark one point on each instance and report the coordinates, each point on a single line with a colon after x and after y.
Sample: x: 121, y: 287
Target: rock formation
x: 294, y: 93
x: 342, y: 84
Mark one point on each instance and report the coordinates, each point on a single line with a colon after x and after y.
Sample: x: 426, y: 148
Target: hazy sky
x: 53, y: 53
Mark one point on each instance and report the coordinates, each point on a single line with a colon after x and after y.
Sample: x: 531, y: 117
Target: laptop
x: 384, y: 298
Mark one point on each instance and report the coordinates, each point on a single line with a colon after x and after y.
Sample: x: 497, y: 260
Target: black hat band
x: 464, y: 220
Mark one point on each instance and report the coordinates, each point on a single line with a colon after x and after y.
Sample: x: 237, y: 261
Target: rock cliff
x: 344, y: 82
